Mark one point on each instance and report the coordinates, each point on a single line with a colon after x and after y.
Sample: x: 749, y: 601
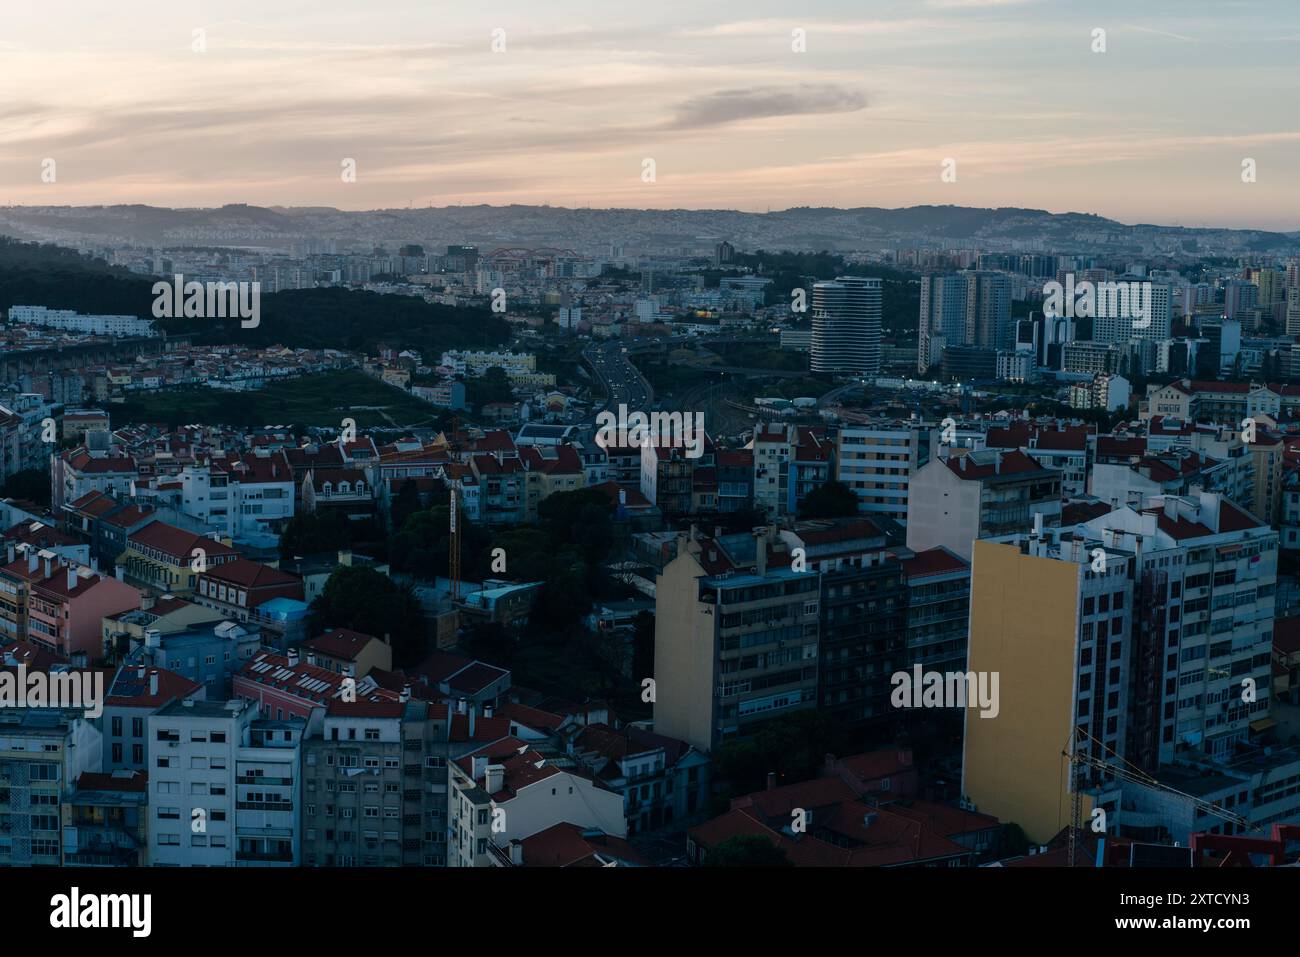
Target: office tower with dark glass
x: 846, y: 326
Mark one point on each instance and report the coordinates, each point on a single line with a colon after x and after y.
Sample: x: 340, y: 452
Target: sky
x: 206, y: 102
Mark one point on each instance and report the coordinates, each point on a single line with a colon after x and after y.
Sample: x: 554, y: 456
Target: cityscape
x: 741, y: 510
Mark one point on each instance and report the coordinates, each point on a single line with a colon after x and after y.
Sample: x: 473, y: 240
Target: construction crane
x: 1123, y: 771
x: 454, y: 546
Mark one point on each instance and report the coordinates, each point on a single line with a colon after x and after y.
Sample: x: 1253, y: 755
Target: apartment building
x: 225, y: 788
x: 242, y: 496
x: 500, y: 496
x: 82, y: 471
x: 732, y: 649
x: 877, y: 462
x: 66, y: 609
x: 863, y: 604
x: 16, y: 579
x: 735, y: 472
x: 789, y: 462
x: 662, y: 780
x: 42, y: 753
x: 236, y: 589
x: 106, y: 820
x: 208, y: 654
x: 166, y: 559
x: 938, y: 609
x: 353, y: 786
x: 549, y: 469
x: 134, y: 694
x: 979, y: 494
x: 1059, y: 446
x: 1057, y: 634
x: 1163, y: 650
x: 668, y: 477
x: 284, y: 686
x: 506, y: 792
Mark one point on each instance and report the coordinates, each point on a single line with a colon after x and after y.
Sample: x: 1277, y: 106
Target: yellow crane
x: 1124, y: 771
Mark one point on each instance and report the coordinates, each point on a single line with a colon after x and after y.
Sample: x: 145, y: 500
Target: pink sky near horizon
x: 1155, y: 129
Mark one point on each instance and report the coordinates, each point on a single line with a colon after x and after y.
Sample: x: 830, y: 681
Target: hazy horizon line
x: 649, y: 209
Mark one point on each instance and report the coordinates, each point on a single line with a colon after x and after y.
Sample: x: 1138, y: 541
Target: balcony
x: 265, y: 857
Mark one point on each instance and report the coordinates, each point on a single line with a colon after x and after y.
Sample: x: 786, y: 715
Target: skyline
x: 567, y: 113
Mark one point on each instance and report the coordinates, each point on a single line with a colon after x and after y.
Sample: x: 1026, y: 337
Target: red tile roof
x: 249, y: 574
x: 339, y: 643
x: 568, y: 845
x: 177, y: 542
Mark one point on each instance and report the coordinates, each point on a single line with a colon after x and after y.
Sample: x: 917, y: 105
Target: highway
x: 623, y: 384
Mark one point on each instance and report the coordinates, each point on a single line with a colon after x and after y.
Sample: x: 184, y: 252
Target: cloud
x: 973, y: 4
x: 1162, y: 33
x: 733, y: 106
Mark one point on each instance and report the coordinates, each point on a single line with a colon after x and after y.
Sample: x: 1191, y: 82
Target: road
x: 623, y: 384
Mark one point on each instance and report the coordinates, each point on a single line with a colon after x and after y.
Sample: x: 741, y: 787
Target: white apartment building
x: 70, y: 321
x: 243, y: 497
x: 225, y: 787
x: 877, y: 462
x: 506, y: 792
x: 476, y: 363
x: 1209, y: 570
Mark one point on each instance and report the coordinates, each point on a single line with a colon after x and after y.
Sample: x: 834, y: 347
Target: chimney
x: 120, y: 574
x: 153, y: 683
x: 72, y: 578
x: 49, y: 568
x: 478, y: 766
x: 406, y: 693
x: 32, y: 561
x: 152, y: 638
x: 473, y: 713
x: 516, y: 854
x: 494, y: 778
x: 9, y: 552
x: 760, y: 553
x: 488, y: 711
x: 771, y: 780
x: 292, y: 655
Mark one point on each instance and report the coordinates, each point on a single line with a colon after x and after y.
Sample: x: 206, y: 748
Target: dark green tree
x: 792, y: 747
x: 832, y: 500
x: 361, y: 599
x: 311, y: 533
x: 747, y: 850
x: 492, y: 386
x: 405, y: 505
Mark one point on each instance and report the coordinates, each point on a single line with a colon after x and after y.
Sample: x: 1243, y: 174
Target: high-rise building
x: 877, y: 462
x: 846, y: 326
x: 43, y: 751
x: 732, y: 649
x: 225, y: 787
x: 1143, y: 635
x: 988, y: 311
x: 863, y: 617
x: 1120, y: 310
x: 943, y: 318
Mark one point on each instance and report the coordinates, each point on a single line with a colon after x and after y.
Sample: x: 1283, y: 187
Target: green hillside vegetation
x: 315, y: 400
x: 47, y: 275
